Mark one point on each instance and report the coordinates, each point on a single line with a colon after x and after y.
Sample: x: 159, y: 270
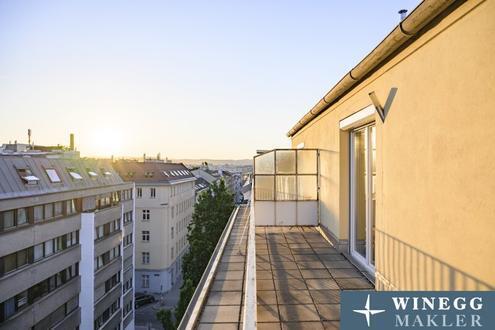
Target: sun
x: 105, y: 142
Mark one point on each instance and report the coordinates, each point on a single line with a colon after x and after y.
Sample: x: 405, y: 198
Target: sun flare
x: 106, y: 142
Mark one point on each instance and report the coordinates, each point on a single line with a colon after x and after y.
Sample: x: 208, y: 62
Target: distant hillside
x: 235, y: 162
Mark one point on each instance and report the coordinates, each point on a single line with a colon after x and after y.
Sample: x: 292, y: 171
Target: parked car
x: 141, y: 299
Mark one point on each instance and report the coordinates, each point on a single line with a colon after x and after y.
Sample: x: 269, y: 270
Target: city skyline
x: 164, y: 78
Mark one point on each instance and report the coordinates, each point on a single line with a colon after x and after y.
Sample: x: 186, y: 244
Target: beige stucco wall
x: 435, y: 216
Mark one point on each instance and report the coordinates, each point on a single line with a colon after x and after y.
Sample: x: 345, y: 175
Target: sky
x: 189, y: 79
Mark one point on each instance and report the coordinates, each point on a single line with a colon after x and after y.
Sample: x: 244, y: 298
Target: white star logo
x: 367, y: 311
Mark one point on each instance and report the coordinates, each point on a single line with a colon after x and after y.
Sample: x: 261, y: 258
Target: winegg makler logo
x: 417, y: 309
x: 367, y: 312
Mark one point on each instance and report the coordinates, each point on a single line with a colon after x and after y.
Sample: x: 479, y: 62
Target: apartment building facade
x: 405, y: 144
x: 66, y: 247
x: 165, y: 198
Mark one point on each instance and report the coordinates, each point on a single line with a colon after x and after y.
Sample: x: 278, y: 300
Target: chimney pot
x: 403, y: 14
x: 71, y: 143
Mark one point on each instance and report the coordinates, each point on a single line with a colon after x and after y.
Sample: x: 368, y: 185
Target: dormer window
x: 130, y: 174
x: 27, y: 176
x: 148, y: 174
x: 74, y: 175
x: 105, y: 172
x: 91, y: 173
x: 52, y: 175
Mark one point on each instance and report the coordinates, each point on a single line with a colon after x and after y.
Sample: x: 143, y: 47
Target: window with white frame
x: 139, y: 192
x: 145, y: 281
x: 152, y: 192
x: 146, y: 215
x: 145, y: 235
x: 146, y: 258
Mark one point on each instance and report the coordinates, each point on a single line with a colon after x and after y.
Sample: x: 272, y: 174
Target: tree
x: 210, y: 216
x: 186, y: 293
x: 165, y: 317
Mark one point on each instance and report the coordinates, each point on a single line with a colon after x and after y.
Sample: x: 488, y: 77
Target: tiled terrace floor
x: 299, y: 277
x: 223, y: 305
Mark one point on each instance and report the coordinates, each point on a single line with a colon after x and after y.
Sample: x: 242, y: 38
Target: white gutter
x: 408, y: 28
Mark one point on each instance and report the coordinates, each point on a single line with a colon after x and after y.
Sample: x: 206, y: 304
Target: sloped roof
x: 201, y: 184
x: 152, y: 172
x: 12, y: 185
x: 199, y: 173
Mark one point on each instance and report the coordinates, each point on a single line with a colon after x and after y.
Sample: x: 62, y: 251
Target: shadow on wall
x: 329, y: 185
x: 404, y: 267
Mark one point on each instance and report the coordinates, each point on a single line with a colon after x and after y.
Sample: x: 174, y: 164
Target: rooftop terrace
x: 298, y: 279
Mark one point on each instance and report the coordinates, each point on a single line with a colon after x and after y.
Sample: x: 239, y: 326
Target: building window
x: 145, y: 235
x: 35, y: 253
x: 58, y: 315
x: 146, y: 215
x: 106, y: 257
x: 127, y: 309
x: 38, y: 213
x: 27, y: 176
x: 74, y: 174
x: 52, y: 175
x: 126, y: 194
x: 48, y: 211
x: 145, y: 281
x: 146, y: 258
x: 139, y: 192
x: 70, y: 207
x: 112, y: 282
x: 152, y: 192
x: 128, y: 239
x: 107, y: 314
x: 58, y: 209
x: 127, y: 286
x: 107, y: 229
x: 172, y: 253
x: 104, y: 201
x: 127, y: 217
x: 14, y: 304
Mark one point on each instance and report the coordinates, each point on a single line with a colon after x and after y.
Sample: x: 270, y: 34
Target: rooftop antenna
x: 403, y: 14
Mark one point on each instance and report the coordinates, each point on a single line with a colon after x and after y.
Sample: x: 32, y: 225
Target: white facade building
x: 165, y: 198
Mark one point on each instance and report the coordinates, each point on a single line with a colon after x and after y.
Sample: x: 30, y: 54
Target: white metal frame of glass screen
x: 295, y: 173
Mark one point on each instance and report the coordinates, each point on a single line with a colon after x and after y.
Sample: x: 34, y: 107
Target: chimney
x: 29, y: 136
x: 71, y: 143
x: 403, y: 14
x: 158, y: 156
x: 144, y: 157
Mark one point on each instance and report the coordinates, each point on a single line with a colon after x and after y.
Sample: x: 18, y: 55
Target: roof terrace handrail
x: 198, y: 299
x: 249, y: 319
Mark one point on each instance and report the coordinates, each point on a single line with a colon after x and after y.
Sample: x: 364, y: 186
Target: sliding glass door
x: 363, y: 173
